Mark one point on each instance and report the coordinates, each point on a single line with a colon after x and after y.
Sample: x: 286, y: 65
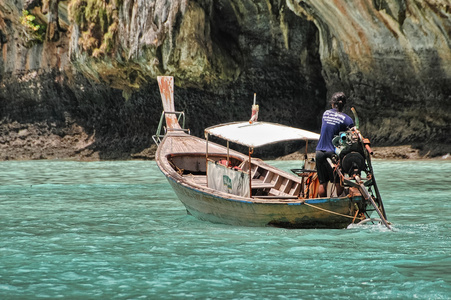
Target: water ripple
x: 116, y: 230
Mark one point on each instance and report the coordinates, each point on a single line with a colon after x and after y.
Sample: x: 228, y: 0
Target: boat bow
x: 169, y: 115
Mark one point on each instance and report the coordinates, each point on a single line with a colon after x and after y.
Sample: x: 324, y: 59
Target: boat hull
x: 313, y: 213
x: 221, y: 185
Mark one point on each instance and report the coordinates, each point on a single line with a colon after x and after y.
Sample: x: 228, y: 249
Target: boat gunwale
x: 277, y: 201
x: 170, y: 173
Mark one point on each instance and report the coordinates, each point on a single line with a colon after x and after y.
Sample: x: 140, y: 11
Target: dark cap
x: 338, y: 100
x: 338, y: 97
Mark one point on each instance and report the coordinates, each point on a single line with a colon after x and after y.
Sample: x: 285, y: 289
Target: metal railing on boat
x: 157, y: 137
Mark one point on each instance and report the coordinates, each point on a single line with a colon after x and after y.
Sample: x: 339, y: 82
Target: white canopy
x: 259, y: 133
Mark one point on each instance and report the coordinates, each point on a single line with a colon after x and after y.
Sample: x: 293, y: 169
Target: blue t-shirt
x: 333, y: 123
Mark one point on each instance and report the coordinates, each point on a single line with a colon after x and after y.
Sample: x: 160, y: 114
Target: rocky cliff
x: 77, y: 78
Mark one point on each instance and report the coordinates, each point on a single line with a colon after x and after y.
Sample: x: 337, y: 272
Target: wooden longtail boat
x: 221, y: 185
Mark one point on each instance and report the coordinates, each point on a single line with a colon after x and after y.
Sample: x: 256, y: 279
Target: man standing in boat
x: 334, y: 121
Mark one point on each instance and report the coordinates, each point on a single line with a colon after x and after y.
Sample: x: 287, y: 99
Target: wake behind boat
x: 221, y: 185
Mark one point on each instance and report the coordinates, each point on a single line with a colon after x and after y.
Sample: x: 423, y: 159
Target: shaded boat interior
x: 267, y: 181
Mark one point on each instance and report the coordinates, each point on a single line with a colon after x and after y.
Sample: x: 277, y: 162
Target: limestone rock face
x: 393, y: 58
x: 84, y: 80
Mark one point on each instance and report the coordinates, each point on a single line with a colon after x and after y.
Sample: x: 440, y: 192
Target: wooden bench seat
x: 198, y: 179
x: 260, y: 184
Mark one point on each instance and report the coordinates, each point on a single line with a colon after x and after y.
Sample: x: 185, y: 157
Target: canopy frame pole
x: 302, y: 192
x: 228, y: 153
x: 206, y: 156
x: 251, y: 150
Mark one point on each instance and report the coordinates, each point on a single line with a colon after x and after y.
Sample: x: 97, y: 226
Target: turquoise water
x: 114, y: 230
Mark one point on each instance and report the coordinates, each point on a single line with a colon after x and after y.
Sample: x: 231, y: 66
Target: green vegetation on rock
x: 98, y: 22
x: 34, y: 32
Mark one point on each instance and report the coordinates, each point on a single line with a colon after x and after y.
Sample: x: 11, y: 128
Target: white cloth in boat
x: 259, y: 133
x: 224, y: 179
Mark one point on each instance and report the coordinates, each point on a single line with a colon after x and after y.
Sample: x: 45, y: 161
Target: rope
x: 179, y: 171
x: 332, y: 212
